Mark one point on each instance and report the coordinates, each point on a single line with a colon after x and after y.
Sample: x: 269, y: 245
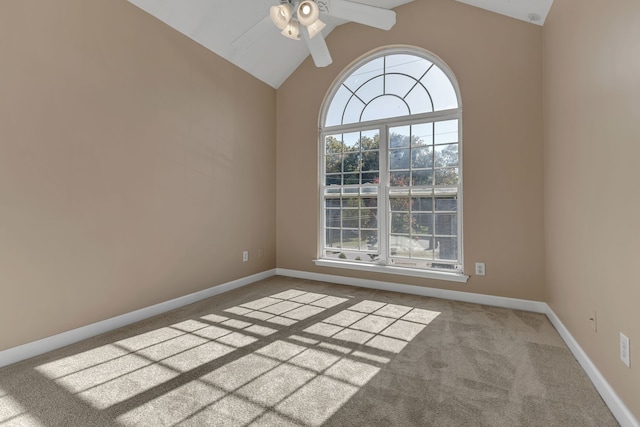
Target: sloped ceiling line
x: 272, y: 58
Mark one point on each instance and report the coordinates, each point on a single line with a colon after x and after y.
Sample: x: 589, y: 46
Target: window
x: 390, y: 163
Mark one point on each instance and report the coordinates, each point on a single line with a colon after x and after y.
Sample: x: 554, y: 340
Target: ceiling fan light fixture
x: 281, y: 15
x: 292, y: 30
x: 308, y: 12
x: 315, y: 28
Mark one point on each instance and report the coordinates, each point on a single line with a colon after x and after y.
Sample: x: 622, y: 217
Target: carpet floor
x: 290, y: 352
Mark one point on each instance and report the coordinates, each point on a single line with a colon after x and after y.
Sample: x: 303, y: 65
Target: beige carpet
x: 288, y: 352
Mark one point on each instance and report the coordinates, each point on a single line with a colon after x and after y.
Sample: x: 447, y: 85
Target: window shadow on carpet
x: 291, y: 358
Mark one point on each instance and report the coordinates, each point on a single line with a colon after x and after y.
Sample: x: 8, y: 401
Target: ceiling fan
x: 301, y: 19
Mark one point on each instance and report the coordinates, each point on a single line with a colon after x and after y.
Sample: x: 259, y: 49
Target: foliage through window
x: 391, y: 190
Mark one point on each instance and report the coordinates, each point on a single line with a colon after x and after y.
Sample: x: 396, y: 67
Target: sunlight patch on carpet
x: 257, y: 370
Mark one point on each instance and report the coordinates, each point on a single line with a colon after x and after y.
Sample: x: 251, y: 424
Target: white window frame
x: 383, y: 264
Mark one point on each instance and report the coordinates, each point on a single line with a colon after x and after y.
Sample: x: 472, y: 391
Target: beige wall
x: 497, y: 62
x: 129, y: 175
x: 592, y: 147
x: 135, y: 166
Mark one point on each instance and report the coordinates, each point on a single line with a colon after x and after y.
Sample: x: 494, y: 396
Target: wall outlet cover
x: 624, y: 349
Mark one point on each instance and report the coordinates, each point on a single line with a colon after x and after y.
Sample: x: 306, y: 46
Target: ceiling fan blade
x: 362, y: 14
x: 317, y: 47
x: 253, y: 34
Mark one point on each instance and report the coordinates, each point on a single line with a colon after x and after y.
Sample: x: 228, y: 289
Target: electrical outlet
x: 260, y: 253
x: 480, y: 271
x: 624, y: 349
x: 594, y: 321
x: 245, y: 256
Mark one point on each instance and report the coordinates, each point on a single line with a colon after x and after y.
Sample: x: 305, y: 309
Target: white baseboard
x: 35, y: 348
x: 610, y: 397
x: 516, y: 304
x: 613, y: 401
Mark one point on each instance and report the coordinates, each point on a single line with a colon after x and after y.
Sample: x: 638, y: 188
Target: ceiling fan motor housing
x: 289, y: 14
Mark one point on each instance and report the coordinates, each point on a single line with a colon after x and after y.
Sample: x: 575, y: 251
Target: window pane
x: 400, y: 222
x: 421, y: 223
x: 370, y: 161
x: 332, y: 218
x: 422, y: 134
x: 446, y: 155
x: 399, y: 159
x: 352, y: 111
x: 383, y: 108
x: 369, y: 218
x: 446, y: 132
x: 398, y: 84
x: 350, y: 202
x: 419, y: 100
x: 424, y: 177
x: 400, y: 204
x: 332, y: 239
x: 351, y: 162
x: 399, y: 136
x: 447, y: 248
x: 369, y: 240
x: 423, y: 252
x: 448, y: 176
x: 441, y: 89
x: 399, y: 179
x: 446, y: 204
x: 407, y: 64
x: 446, y: 224
x: 371, y: 89
x: 350, y: 239
x: 370, y: 202
x: 422, y: 204
x: 351, y: 141
x: 332, y: 203
x: 421, y: 157
x: 370, y: 178
x: 338, y: 103
x: 351, y: 179
x: 364, y: 73
x: 403, y: 245
x: 333, y: 180
x: 333, y: 163
x: 350, y: 218
x: 333, y: 144
x: 370, y: 140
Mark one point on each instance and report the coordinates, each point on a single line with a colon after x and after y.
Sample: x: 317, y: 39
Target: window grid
x: 352, y: 162
x: 405, y: 209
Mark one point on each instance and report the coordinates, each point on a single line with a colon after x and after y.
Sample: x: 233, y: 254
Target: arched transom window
x: 390, y: 162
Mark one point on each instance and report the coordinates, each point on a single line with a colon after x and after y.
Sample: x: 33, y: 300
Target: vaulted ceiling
x: 220, y: 24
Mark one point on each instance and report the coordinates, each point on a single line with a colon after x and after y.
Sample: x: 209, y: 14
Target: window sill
x: 387, y: 269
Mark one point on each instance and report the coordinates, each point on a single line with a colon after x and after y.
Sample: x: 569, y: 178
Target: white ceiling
x: 534, y: 11
x: 216, y: 24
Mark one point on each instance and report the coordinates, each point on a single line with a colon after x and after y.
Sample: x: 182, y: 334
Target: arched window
x: 390, y: 162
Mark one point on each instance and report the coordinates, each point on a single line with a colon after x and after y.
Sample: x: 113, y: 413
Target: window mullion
x: 383, y: 197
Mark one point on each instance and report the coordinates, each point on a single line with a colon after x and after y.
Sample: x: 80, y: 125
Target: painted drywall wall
x: 497, y: 62
x: 135, y: 166
x: 591, y: 111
